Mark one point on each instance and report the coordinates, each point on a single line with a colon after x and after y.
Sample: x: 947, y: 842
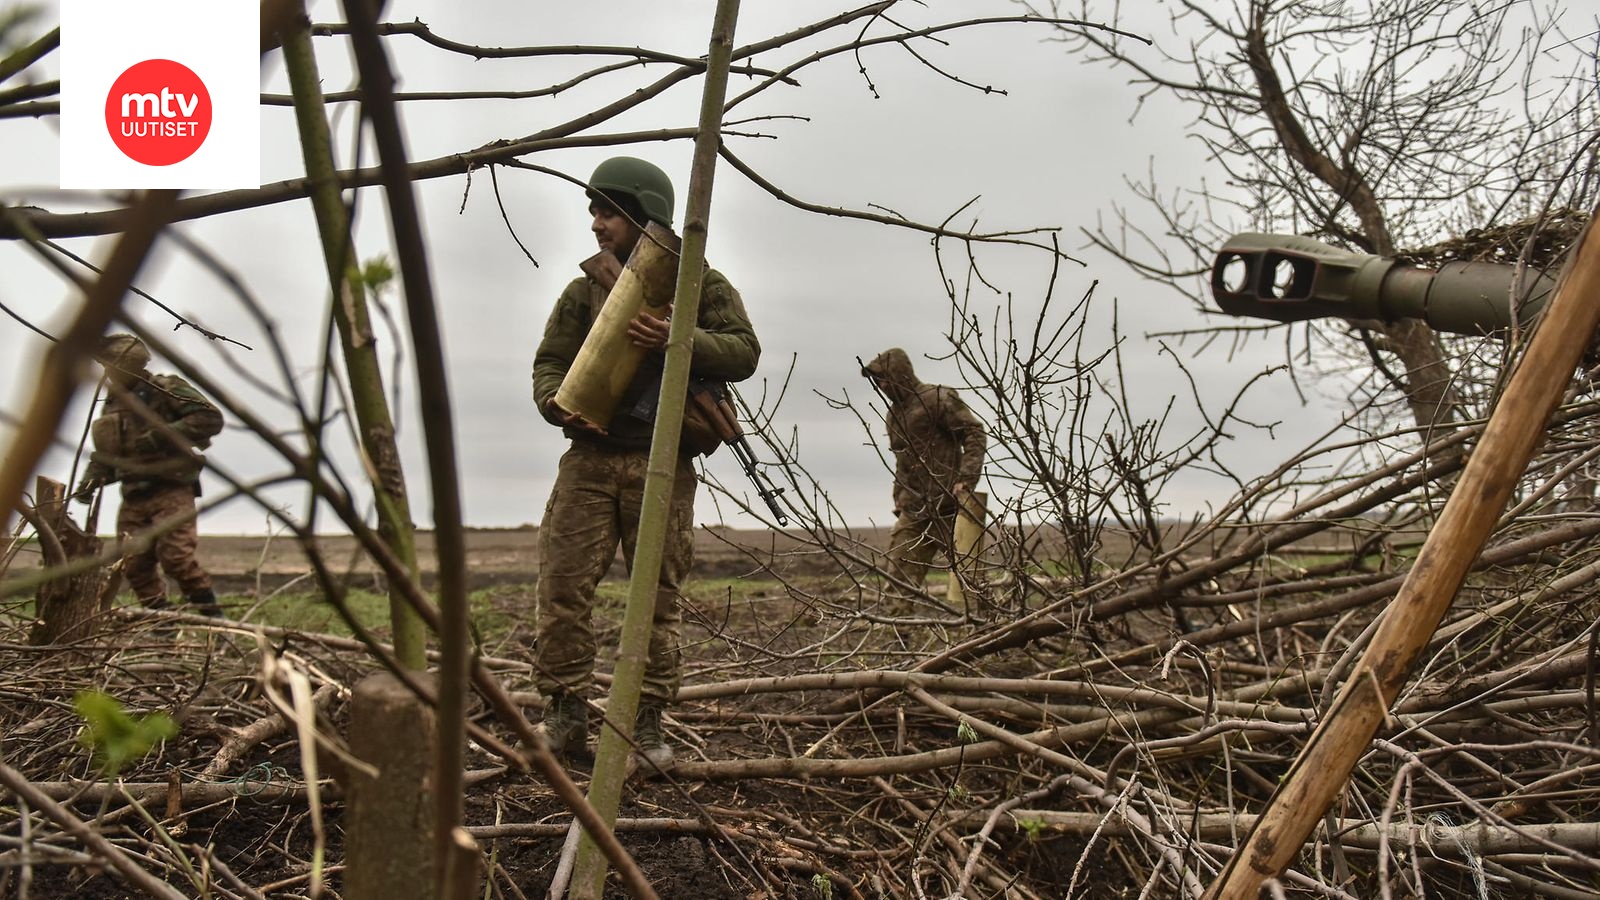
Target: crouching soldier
x: 159, y: 468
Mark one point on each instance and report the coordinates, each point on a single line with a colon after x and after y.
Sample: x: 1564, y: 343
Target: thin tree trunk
x: 1427, y: 381
x: 350, y: 313
x: 1429, y: 388
x: 65, y: 608
x: 610, y: 769
x: 377, y: 84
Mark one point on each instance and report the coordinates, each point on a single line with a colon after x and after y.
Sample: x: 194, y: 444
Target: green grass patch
x: 1288, y: 561
x: 309, y: 612
x: 493, y: 611
x: 611, y: 597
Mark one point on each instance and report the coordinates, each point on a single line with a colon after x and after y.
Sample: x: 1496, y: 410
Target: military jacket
x: 724, y: 349
x: 936, y: 440
x: 129, y: 449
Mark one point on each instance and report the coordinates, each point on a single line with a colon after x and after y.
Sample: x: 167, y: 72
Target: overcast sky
x: 1053, y: 150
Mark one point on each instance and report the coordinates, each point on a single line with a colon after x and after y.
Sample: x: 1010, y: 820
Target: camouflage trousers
x: 593, y: 507
x: 173, y: 550
x: 913, y: 542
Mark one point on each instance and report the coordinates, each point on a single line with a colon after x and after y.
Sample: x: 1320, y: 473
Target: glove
x: 85, y: 492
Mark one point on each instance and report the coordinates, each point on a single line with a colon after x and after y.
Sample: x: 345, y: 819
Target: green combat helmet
x: 640, y: 180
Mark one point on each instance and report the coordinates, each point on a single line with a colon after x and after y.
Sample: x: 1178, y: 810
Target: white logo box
x: 219, y: 40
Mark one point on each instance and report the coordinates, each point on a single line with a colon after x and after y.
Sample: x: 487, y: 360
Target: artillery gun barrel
x: 1288, y: 278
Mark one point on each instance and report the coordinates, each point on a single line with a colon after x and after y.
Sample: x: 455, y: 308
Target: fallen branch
x: 242, y: 740
x: 90, y: 838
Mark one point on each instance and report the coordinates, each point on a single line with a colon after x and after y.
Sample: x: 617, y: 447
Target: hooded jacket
x: 936, y: 440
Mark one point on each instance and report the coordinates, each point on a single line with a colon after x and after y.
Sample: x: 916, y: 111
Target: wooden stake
x: 66, y: 607
x: 388, y: 824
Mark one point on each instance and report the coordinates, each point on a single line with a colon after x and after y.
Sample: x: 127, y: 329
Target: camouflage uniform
x: 595, y: 502
x: 937, y: 443
x: 160, y: 480
x: 174, y: 550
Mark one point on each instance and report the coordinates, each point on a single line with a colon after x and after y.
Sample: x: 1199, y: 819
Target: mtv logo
x: 160, y: 94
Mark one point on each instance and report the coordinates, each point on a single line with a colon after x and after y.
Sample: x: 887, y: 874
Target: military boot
x: 650, y: 739
x: 204, y: 602
x: 566, y: 724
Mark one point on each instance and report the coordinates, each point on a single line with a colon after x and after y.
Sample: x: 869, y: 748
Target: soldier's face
x: 612, y: 230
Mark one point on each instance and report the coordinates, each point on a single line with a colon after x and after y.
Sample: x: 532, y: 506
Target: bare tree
x: 1129, y: 698
x: 1384, y: 126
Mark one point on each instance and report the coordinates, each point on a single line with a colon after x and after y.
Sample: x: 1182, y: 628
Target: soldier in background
x: 600, y: 484
x: 938, y: 447
x: 159, y: 468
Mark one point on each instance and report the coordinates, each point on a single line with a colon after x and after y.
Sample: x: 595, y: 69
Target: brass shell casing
x: 968, y: 545
x: 608, y: 360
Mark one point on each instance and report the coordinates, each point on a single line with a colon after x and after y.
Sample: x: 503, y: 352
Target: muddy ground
x: 242, y: 563
x: 761, y: 605
x: 752, y: 622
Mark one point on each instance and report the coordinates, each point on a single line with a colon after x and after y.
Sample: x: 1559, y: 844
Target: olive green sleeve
x: 188, y: 411
x: 725, y: 345
x: 564, y: 332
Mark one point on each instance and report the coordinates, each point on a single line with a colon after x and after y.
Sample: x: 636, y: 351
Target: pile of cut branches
x: 1061, y: 738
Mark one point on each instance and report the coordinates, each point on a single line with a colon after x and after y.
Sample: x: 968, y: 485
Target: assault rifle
x: 712, y: 402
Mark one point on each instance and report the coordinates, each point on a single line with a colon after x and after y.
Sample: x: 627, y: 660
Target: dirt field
x: 817, y: 790
x: 718, y: 635
x: 498, y: 557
